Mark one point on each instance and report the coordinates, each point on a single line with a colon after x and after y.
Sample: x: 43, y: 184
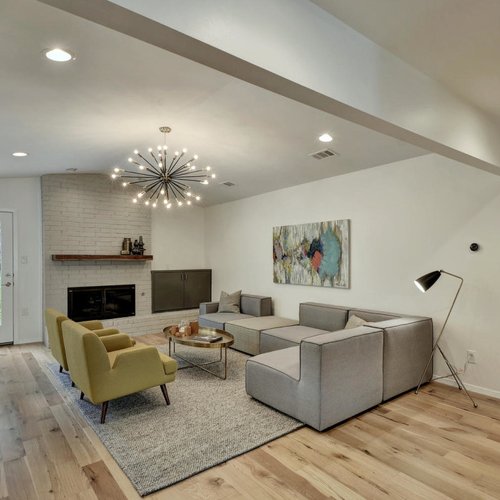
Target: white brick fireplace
x: 90, y: 214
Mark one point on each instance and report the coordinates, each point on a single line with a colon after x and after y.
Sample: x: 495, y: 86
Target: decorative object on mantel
x: 312, y: 254
x: 126, y: 246
x: 138, y: 248
x: 101, y: 257
x: 168, y: 178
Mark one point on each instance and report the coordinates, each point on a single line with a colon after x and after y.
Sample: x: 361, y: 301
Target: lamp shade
x: 427, y: 280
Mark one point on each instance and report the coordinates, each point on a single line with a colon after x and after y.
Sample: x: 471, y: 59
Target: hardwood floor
x: 430, y: 446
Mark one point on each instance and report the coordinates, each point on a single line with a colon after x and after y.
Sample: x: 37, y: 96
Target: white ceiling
x: 91, y: 113
x: 456, y: 42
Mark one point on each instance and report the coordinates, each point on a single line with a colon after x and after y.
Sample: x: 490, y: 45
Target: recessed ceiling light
x: 325, y: 138
x: 19, y: 154
x: 58, y: 55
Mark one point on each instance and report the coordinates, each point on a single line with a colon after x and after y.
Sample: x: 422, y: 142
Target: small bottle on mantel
x: 141, y: 246
x: 126, y: 246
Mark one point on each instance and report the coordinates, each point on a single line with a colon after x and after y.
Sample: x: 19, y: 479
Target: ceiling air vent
x: 228, y: 184
x: 324, y: 153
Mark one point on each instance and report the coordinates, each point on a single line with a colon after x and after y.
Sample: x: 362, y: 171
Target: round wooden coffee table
x: 222, y: 344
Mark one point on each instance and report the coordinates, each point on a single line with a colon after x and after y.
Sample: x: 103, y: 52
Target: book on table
x: 208, y: 338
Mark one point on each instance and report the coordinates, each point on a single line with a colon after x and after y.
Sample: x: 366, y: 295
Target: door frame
x: 15, y: 251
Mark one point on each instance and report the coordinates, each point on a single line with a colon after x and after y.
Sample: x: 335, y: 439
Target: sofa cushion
x: 354, y: 321
x: 322, y: 316
x: 218, y: 320
x: 246, y: 332
x: 288, y: 336
x: 286, y: 361
x: 229, y: 302
x: 370, y: 316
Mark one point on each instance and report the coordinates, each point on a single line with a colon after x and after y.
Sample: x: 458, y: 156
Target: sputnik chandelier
x: 163, y: 177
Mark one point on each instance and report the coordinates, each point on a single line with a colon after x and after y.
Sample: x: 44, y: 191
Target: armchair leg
x: 163, y: 388
x: 81, y: 395
x: 60, y: 369
x: 104, y: 410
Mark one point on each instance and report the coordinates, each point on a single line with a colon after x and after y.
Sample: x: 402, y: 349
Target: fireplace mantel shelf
x: 101, y: 257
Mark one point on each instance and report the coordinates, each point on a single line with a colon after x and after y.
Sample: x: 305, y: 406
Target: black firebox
x: 101, y: 302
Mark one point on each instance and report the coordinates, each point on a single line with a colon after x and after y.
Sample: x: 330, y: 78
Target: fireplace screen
x: 101, y: 302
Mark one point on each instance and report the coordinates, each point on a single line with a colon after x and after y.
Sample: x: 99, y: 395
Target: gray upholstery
x: 250, y: 305
x: 340, y: 375
x: 218, y: 320
x: 288, y: 336
x: 247, y: 332
x: 322, y: 316
x: 407, y: 347
x: 369, y: 315
x: 256, y: 305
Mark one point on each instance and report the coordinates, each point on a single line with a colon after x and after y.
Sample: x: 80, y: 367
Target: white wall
x: 22, y: 196
x: 407, y: 219
x: 178, y: 238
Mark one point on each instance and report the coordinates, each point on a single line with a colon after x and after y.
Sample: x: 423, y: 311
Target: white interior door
x: 6, y: 278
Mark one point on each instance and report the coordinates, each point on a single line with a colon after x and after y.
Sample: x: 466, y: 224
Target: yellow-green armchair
x: 53, y: 321
x: 107, y: 368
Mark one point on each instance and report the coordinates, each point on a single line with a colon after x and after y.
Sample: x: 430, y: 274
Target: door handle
x: 8, y: 284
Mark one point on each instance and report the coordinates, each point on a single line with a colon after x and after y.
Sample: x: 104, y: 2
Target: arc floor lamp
x: 423, y: 284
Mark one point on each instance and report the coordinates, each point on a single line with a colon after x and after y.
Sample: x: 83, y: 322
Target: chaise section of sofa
x: 327, y: 379
x: 250, y: 306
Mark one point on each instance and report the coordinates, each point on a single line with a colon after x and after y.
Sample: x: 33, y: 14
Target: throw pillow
x: 229, y: 302
x: 354, y: 322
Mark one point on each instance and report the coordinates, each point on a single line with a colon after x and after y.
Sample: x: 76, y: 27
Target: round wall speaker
x: 474, y: 247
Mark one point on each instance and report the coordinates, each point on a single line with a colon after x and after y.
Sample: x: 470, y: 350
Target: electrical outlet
x: 471, y: 357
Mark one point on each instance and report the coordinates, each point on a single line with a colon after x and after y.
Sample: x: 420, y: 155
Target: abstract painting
x: 314, y: 254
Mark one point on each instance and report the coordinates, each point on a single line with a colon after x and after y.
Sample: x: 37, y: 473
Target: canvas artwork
x: 314, y: 254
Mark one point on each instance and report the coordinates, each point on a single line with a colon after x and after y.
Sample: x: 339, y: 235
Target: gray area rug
x: 208, y: 422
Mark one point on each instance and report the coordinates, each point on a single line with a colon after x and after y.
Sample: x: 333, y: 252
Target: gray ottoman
x: 246, y: 332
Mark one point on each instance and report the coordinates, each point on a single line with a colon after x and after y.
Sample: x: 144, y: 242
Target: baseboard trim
x: 474, y: 388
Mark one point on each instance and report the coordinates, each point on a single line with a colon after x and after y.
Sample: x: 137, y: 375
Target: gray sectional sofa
x: 321, y: 374
x: 250, y: 306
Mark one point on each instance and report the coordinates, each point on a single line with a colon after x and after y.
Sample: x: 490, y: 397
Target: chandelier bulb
x: 165, y: 201
x: 189, y: 193
x: 195, y: 157
x: 154, y: 205
x: 162, y: 192
x: 176, y: 153
x: 136, y: 151
x: 116, y: 170
x: 205, y: 182
x: 165, y: 147
x: 134, y: 200
x: 193, y: 167
x: 124, y: 184
x: 160, y: 164
x: 189, y: 202
x: 150, y: 150
x: 213, y: 176
x: 141, y: 167
x: 184, y: 150
x: 179, y: 203
x: 198, y: 198
x: 169, y: 205
x: 140, y: 195
x: 130, y: 160
x: 146, y: 202
x: 114, y: 176
x: 209, y: 168
x: 159, y: 148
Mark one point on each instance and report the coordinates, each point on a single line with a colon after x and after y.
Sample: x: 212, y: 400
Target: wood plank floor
x: 430, y: 446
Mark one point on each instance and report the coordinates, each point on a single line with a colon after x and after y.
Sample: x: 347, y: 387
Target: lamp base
x: 454, y: 374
